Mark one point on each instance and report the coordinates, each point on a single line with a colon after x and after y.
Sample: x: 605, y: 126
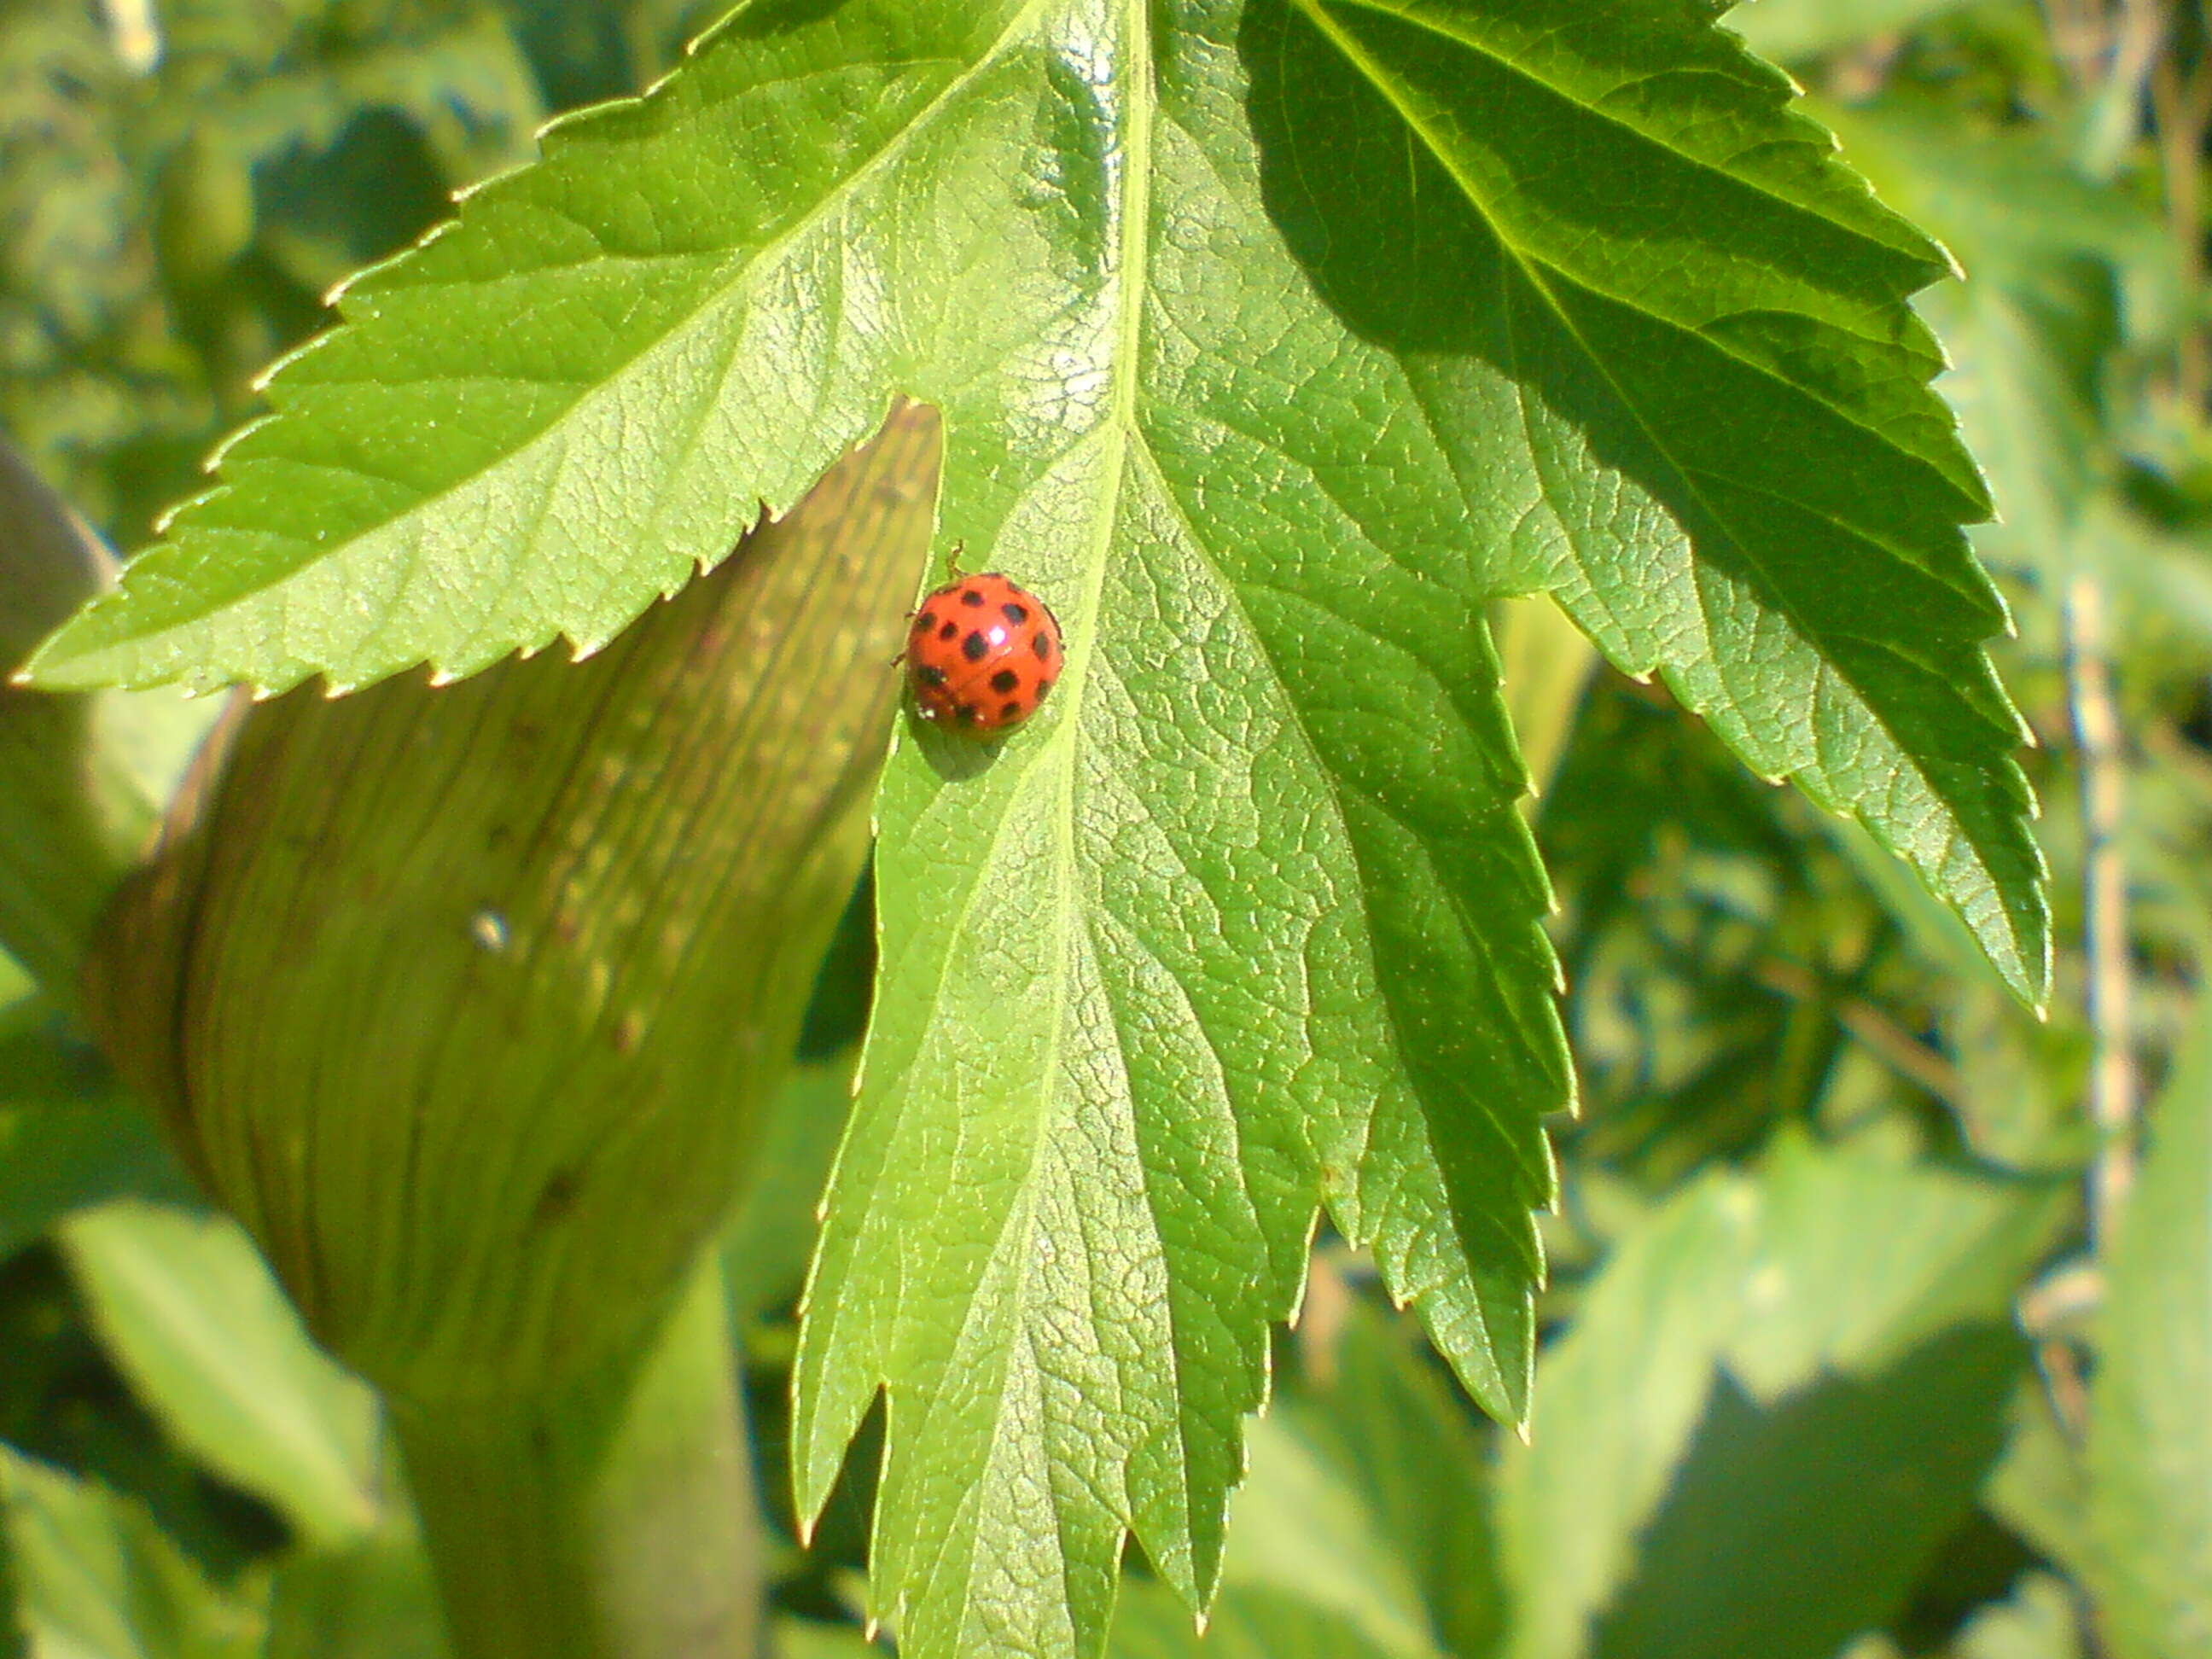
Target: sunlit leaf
x: 193, y: 1318
x: 1274, y: 341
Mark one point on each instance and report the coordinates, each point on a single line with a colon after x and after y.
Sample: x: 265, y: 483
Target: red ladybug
x: 980, y: 656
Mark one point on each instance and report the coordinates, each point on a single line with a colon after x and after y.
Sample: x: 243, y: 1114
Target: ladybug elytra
x: 981, y: 655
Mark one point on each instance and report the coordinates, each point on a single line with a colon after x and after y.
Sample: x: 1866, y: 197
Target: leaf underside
x: 1273, y: 341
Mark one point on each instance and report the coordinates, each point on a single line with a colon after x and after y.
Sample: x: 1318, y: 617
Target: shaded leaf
x: 57, y: 1156
x: 1859, y: 1260
x: 2039, y: 1489
x: 1789, y: 1529
x: 1825, y: 1272
x: 771, y: 1232
x: 81, y: 775
x: 1303, y: 1532
x: 1378, y: 1416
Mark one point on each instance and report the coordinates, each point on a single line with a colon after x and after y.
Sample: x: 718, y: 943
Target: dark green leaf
x: 56, y: 1156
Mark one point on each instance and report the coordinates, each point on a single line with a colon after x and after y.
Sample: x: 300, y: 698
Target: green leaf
x: 192, y: 1315
x: 59, y: 1155
x: 771, y: 1232
x: 1273, y: 343
x: 1248, y: 1622
x: 1361, y: 1528
x: 1745, y: 1327
x: 1801, y: 28
x: 373, y: 1598
x: 2060, y: 273
x: 2038, y: 1489
x: 1859, y: 1259
x: 81, y: 777
x: 798, y: 1638
x: 1303, y: 1530
x: 93, y: 1578
x: 2150, y: 1436
x: 1711, y: 435
x: 2039, y: 1621
x: 1787, y: 1530
x: 1377, y: 1416
x: 1707, y: 314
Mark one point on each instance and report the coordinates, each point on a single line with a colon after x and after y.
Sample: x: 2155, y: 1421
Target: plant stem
x: 2182, y: 102
x: 1889, y: 1043
x: 615, y: 1518
x: 2103, y: 882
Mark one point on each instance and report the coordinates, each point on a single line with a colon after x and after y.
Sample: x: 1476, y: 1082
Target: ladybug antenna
x: 952, y: 559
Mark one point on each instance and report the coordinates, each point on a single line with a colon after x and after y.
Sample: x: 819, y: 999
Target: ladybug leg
x: 952, y: 559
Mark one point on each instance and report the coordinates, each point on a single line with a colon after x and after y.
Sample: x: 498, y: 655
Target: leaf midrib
x: 1116, y: 431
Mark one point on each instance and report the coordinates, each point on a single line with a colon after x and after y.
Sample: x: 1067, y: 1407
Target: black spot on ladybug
x: 950, y: 631
x: 1042, y: 646
x: 1043, y: 686
x: 1016, y: 614
x: 1007, y: 711
x: 924, y: 623
x: 1005, y: 680
x: 930, y: 675
x: 965, y: 714
x: 974, y: 648
x: 971, y: 596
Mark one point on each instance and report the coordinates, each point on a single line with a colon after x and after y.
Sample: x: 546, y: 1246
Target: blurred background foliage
x: 1881, y: 1312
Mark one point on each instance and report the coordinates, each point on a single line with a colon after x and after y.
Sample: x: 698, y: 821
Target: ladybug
x: 981, y: 655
